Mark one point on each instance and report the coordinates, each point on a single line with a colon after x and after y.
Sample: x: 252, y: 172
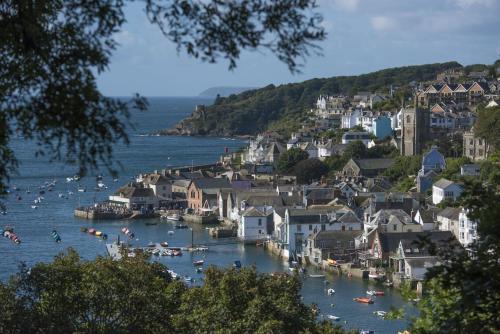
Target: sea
x: 146, y: 153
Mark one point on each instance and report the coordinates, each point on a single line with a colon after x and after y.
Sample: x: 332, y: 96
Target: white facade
x: 467, y: 229
x: 450, y: 191
x: 253, y: 225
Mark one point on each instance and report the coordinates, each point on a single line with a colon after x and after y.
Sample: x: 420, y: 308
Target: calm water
x: 146, y: 153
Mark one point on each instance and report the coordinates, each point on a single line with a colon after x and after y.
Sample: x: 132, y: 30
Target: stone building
x: 415, y: 130
x: 474, y: 148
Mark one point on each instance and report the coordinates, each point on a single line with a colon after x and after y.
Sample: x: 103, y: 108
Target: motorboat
x: 237, y: 264
x: 333, y: 317
x: 9, y: 234
x: 176, y: 253
x: 164, y: 244
x: 34, y: 207
x: 375, y: 293
x: 198, y: 263
x: 128, y: 233
x: 381, y: 314
x: 388, y: 283
x: 330, y: 292
x: 363, y: 300
x: 91, y: 231
x: 69, y: 179
x: 172, y: 273
x: 173, y: 217
x: 188, y: 279
x: 199, y: 269
x: 366, y: 332
x: 151, y: 244
x: 375, y: 276
x: 81, y: 189
x: 156, y: 252
x: 316, y: 275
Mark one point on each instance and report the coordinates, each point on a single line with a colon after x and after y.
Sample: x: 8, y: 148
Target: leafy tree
x: 51, y: 52
x: 403, y: 167
x: 463, y: 292
x: 382, y: 151
x: 487, y: 125
x: 335, y: 162
x: 355, y: 150
x: 452, y: 170
x: 309, y: 170
x: 133, y: 295
x: 290, y: 158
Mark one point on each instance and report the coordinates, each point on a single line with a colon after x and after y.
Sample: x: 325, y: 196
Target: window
x: 299, y: 228
x: 343, y: 227
x: 260, y: 231
x: 323, y: 227
x: 260, y: 222
x: 164, y: 187
x: 471, y: 152
x: 394, y: 227
x: 408, y: 119
x: 310, y: 227
x: 471, y: 142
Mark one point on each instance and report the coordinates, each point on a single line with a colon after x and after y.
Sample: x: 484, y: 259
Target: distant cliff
x: 282, y: 108
x: 223, y: 91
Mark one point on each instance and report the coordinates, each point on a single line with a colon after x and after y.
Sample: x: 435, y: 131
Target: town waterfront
x: 147, y: 153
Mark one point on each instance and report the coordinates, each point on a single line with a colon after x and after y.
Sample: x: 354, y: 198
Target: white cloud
x: 469, y: 3
x: 382, y: 23
x: 349, y: 5
x: 125, y: 38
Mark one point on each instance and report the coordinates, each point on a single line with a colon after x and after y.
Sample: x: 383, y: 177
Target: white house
x: 349, y: 137
x: 253, y: 225
x: 161, y: 186
x: 467, y: 229
x: 135, y: 198
x: 445, y: 189
x: 350, y: 119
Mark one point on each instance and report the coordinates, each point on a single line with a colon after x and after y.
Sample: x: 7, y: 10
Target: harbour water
x: 147, y: 153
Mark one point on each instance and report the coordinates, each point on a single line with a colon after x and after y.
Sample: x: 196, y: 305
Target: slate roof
x: 336, y: 235
x: 130, y: 191
x: 450, y: 213
x: 349, y: 217
x: 211, y: 183
x: 155, y: 179
x: 390, y: 241
x: 443, y: 183
x: 368, y: 164
x: 253, y: 212
x: 308, y: 216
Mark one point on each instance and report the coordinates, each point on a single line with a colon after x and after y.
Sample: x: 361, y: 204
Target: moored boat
x: 363, y: 300
x: 128, y: 233
x: 381, y: 314
x: 316, y: 275
x: 330, y: 292
x: 164, y: 244
x: 237, y: 264
x: 333, y: 317
x: 198, y: 263
x: 9, y: 234
x: 181, y: 226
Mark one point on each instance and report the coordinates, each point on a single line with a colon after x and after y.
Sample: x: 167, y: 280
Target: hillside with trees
x: 282, y: 108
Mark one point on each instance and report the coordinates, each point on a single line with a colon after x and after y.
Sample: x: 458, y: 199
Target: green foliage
x: 394, y: 314
x: 290, y: 158
x: 452, y: 170
x: 309, y: 170
x: 462, y: 294
x: 52, y: 51
x: 133, y: 295
x: 281, y: 108
x: 403, y: 167
x: 336, y: 162
x: 355, y: 150
x: 487, y: 126
x: 334, y: 135
x: 382, y: 151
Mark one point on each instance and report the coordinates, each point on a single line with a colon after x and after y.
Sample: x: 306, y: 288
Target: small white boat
x: 188, y: 279
x: 330, y: 292
x: 316, y: 275
x: 156, y: 252
x: 69, y: 179
x: 70, y: 193
x: 34, y: 207
x: 81, y: 189
x: 61, y: 195
x: 170, y: 232
x: 174, y: 217
x: 333, y: 317
x: 381, y: 314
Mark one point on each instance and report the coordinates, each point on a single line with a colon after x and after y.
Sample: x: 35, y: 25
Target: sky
x: 362, y: 36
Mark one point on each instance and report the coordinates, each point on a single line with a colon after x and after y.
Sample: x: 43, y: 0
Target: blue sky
x: 363, y: 36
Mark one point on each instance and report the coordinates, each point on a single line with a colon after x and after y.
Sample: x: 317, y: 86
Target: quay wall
x: 200, y: 219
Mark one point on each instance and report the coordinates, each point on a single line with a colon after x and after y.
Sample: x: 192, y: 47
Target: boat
x: 164, y: 244
x: 388, y: 283
x: 83, y: 229
x: 198, y: 263
x: 151, y: 245
x: 188, y: 279
x: 151, y: 223
x: 9, y: 234
x: 156, y: 252
x: 381, y: 314
x: 104, y: 236
x: 363, y: 300
x: 98, y: 233
x: 56, y: 236
x: 181, y: 226
x: 375, y: 293
x: 333, y: 317
x: 330, y: 292
x: 237, y: 264
x: 3, y: 212
x: 34, y: 207
x: 91, y: 231
x: 316, y: 275
x: 366, y: 332
x: 81, y: 189
x: 174, y: 217
x: 375, y: 276
x: 69, y: 179
x: 199, y: 269
x: 170, y: 232
x: 60, y: 195
x: 128, y: 233
x: 172, y: 273
x: 176, y: 253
